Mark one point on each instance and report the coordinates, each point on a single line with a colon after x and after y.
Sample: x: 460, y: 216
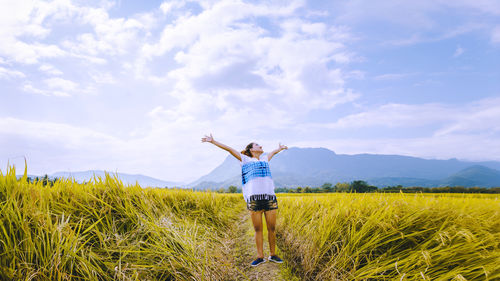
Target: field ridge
x: 240, y: 248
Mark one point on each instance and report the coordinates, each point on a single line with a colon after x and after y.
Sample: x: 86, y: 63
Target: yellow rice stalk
x: 391, y: 236
x: 103, y: 230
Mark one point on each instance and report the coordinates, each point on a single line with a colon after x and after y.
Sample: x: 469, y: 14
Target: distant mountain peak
x: 144, y: 181
x: 313, y: 166
x: 477, y: 168
x: 475, y: 175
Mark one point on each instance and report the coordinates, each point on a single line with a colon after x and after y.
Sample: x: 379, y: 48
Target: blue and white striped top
x: 256, y: 178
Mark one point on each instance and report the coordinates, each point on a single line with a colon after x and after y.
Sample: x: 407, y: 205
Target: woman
x: 258, y: 191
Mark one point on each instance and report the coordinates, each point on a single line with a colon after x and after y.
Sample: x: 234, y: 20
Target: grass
x: 391, y: 236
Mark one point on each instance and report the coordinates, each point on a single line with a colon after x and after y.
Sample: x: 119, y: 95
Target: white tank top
x: 256, y: 178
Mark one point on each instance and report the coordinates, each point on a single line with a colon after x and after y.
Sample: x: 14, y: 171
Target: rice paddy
x: 391, y: 236
x: 104, y: 230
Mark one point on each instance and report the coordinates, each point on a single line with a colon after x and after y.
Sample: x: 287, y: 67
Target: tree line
x: 359, y: 186
x: 46, y: 181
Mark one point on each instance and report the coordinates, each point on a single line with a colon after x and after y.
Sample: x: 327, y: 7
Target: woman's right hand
x: 209, y: 139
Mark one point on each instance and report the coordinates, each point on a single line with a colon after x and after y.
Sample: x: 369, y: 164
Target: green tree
x: 342, y: 187
x: 327, y: 187
x: 361, y: 186
x: 45, y: 180
x: 232, y: 189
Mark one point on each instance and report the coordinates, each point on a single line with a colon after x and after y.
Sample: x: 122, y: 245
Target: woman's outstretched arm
x: 233, y: 151
x: 276, y: 151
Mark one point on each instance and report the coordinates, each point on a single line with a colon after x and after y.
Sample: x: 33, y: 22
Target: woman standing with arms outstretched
x: 258, y: 191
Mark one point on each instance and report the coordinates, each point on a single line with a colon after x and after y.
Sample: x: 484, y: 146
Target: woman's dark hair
x: 247, y: 150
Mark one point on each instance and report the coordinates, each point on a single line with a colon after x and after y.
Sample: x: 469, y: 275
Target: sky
x: 132, y: 86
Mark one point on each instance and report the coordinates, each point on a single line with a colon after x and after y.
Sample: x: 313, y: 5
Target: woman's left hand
x: 283, y: 147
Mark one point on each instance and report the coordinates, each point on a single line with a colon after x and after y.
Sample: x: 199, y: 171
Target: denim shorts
x: 262, y: 205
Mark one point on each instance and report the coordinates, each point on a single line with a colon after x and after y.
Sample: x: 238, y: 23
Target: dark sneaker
x: 258, y: 261
x: 275, y: 259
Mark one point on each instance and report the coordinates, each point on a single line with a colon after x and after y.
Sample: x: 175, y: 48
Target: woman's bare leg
x: 259, y: 236
x: 271, y: 235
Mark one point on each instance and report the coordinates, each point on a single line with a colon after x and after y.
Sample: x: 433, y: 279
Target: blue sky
x: 132, y: 86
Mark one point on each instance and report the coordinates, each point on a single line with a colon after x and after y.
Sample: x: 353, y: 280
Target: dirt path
x: 241, y: 251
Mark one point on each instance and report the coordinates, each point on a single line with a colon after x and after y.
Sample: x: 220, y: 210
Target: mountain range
x: 127, y: 179
x: 315, y: 166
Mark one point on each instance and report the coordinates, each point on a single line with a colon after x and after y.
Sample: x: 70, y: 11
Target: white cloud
x: 484, y: 6
x: 92, y: 59
x: 392, y: 116
x: 8, y: 73
x: 413, y: 39
x: 64, y: 134
x: 209, y: 47
x: 24, y: 26
x: 355, y: 74
x: 479, y: 117
x: 50, y: 69
x: 167, y: 7
x: 439, y: 34
x: 392, y: 76
x: 495, y: 35
x: 469, y: 131
x: 61, y: 84
x: 48, y: 141
x: 26, y: 19
x: 418, y: 14
x: 415, y: 22
x: 28, y: 87
x: 170, y: 151
x: 103, y: 78
x: 458, y: 52
x: 317, y: 13
x: 111, y: 36
x: 87, y: 43
x: 28, y: 53
x: 55, y: 86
